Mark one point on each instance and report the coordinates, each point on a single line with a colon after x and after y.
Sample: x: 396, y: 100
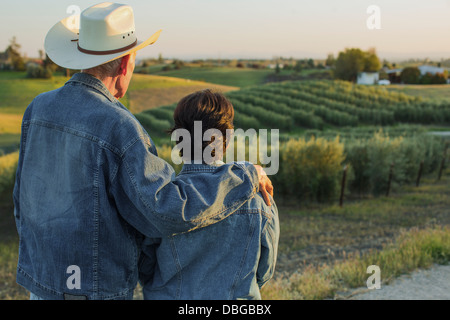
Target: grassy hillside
x: 16, y: 93
x: 145, y: 92
x: 437, y: 93
x: 150, y: 91
x: 237, y: 77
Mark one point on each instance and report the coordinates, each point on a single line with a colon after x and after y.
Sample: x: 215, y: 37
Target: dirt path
x: 429, y: 284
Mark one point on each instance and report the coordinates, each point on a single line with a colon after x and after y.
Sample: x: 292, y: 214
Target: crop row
x: 315, y: 104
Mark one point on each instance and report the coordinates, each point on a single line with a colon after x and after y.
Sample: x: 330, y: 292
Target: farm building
x: 395, y: 74
x: 430, y: 69
x: 368, y: 78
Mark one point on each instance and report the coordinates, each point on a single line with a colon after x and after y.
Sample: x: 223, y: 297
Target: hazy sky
x: 255, y: 28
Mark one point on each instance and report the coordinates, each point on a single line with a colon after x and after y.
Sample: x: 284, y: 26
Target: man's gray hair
x: 108, y: 69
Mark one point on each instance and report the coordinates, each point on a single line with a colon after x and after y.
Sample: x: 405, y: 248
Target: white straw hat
x: 101, y: 33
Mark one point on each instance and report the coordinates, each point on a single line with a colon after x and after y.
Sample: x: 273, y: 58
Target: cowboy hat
x: 100, y: 34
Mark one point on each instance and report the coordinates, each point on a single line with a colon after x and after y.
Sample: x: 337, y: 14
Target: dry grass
x: 411, y: 250
x: 147, y: 91
x: 10, y: 123
x: 400, y: 233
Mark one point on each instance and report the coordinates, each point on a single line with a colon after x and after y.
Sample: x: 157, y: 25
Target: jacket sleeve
x: 16, y: 190
x: 153, y: 200
x: 269, y: 247
x: 147, y: 260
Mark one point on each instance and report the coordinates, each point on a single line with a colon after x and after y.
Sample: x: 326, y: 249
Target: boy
x: 231, y: 259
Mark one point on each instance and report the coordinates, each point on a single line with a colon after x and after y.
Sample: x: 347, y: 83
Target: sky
x: 260, y: 29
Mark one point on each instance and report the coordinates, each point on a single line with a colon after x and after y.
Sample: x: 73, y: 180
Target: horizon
x: 250, y: 29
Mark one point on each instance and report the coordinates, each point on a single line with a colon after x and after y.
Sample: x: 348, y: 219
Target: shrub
x: 310, y: 169
x: 357, y: 156
x: 161, y: 113
x: 36, y: 71
x: 165, y: 153
x: 154, y: 126
x: 438, y: 78
x: 245, y: 122
x: 410, y: 75
x: 371, y: 160
x: 382, y: 152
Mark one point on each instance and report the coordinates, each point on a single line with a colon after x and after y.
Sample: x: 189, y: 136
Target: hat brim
x: 64, y: 52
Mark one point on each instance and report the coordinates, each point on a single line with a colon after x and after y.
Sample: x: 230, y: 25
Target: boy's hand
x: 265, y: 185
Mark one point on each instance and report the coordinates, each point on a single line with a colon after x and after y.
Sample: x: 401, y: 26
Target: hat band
x: 100, y: 53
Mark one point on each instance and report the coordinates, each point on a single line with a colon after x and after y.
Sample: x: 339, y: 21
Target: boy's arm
x: 269, y: 247
x: 147, y: 260
x: 149, y: 196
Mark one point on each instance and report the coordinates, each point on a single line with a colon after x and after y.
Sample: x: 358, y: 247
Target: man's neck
x: 109, y: 82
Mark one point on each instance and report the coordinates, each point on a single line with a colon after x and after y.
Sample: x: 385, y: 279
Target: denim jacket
x: 89, y: 186
x: 229, y: 260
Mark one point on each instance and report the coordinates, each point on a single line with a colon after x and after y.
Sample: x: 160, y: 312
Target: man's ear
x: 123, y: 69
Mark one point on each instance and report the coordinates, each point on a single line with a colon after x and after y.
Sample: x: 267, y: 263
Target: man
x: 89, y: 184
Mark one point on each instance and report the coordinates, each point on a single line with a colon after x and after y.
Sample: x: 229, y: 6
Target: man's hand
x: 265, y: 185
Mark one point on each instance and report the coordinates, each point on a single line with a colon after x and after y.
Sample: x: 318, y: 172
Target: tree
x: 438, y: 78
x: 49, y: 64
x: 277, y: 68
x: 298, y: 66
x: 348, y: 64
x: 330, y: 60
x: 410, y: 75
x: 353, y: 61
x: 13, y: 52
x: 371, y: 62
x: 178, y: 64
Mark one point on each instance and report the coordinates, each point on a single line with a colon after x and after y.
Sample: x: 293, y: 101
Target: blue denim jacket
x: 229, y: 260
x: 89, y: 186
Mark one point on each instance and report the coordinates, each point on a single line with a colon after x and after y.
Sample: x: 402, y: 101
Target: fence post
x: 444, y: 157
x: 344, y: 178
x: 391, y: 171
x: 419, y: 174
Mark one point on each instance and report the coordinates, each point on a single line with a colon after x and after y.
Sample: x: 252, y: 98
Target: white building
x: 430, y: 69
x: 368, y: 78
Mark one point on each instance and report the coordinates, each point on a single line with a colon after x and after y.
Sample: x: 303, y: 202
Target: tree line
x: 13, y: 60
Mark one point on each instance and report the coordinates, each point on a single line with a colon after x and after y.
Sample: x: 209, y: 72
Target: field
x: 236, y: 77
x: 379, y: 134
x: 297, y: 105
x: 148, y: 91
x: 145, y: 92
x: 438, y: 92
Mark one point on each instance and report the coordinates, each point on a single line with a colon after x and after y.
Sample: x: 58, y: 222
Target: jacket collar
x: 93, y: 82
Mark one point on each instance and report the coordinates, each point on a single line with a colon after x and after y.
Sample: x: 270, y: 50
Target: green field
x: 297, y: 106
x: 236, y: 77
x: 150, y: 91
x: 145, y: 92
x: 436, y: 93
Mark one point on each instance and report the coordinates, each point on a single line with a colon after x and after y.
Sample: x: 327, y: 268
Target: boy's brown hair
x: 213, y: 109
